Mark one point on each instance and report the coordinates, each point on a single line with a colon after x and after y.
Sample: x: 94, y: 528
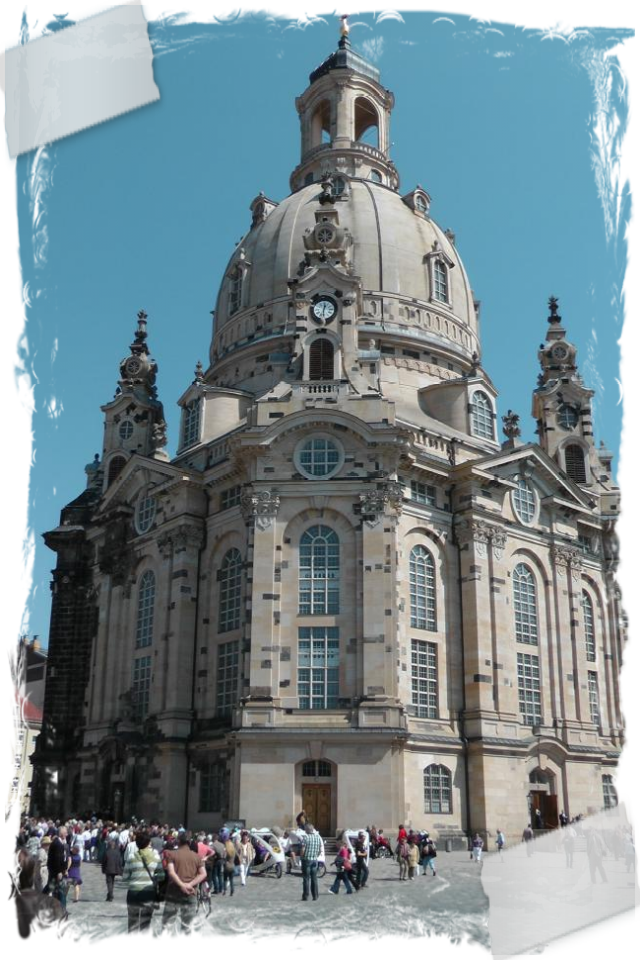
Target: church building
x: 353, y: 589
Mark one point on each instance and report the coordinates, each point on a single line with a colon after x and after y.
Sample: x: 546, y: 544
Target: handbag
x: 159, y: 886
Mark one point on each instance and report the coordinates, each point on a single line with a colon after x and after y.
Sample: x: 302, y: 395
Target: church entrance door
x: 316, y: 802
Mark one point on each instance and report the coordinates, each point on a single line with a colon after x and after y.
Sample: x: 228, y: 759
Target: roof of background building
x: 24, y: 661
x: 27, y: 709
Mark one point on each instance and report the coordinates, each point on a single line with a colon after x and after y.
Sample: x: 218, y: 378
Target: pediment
x: 553, y: 486
x: 139, y: 473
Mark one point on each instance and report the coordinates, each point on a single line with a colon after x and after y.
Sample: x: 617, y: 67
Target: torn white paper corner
x: 77, y: 77
x: 561, y: 882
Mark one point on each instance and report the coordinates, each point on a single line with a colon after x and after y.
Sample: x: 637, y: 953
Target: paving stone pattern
x: 447, y: 914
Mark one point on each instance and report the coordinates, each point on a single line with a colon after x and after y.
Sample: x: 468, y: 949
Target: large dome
x: 392, y: 244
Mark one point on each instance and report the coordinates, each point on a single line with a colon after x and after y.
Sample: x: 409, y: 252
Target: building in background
x: 22, y: 723
x: 25, y: 664
x: 346, y: 592
x: 30, y: 675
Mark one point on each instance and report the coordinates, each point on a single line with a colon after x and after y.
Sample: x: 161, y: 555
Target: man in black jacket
x: 57, y: 865
x: 111, y: 866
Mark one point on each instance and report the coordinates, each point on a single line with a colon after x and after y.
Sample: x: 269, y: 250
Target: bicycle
x: 203, y: 898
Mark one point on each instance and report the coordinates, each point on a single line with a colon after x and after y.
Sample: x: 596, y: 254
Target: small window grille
x: 422, y: 492
x: 230, y: 497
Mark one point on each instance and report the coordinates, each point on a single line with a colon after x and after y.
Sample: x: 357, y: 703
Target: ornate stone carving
x: 186, y: 536
x: 261, y: 506
x: 511, y: 425
x: 482, y: 534
x: 569, y: 557
x: 373, y: 503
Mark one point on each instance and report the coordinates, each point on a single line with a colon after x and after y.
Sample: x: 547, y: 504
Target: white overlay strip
x: 559, y: 883
x: 77, y: 77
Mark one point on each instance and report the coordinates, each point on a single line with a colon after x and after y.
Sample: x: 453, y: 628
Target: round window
x: 524, y: 501
x: 126, y: 430
x: 145, y: 513
x: 567, y: 416
x: 319, y: 457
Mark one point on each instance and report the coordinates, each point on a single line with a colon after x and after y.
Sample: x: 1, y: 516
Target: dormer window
x: 440, y: 282
x: 191, y: 428
x: 421, y: 203
x: 482, y: 416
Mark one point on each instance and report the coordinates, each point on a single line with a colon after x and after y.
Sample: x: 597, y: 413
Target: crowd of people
x: 176, y: 868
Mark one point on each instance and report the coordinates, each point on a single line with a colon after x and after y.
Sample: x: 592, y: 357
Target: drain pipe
x: 194, y: 670
x: 461, y: 713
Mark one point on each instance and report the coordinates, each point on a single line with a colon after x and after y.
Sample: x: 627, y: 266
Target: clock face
x: 567, y: 416
x: 324, y: 309
x: 560, y: 352
x: 132, y: 366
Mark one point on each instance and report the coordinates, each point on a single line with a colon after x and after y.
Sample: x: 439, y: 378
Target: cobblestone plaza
x: 447, y: 914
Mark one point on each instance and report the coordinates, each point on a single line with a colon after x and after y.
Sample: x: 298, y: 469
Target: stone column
x: 379, y: 510
x: 182, y: 544
x: 260, y: 508
x: 564, y: 561
x: 473, y: 538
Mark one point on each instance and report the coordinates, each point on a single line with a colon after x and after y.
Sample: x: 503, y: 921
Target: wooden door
x: 550, y: 812
x: 316, y: 802
x: 538, y: 798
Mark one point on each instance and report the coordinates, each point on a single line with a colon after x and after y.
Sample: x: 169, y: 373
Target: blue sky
x: 500, y: 124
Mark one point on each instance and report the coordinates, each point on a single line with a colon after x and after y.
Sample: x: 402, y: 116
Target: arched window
x: 230, y: 579
x: 589, y: 627
x: 366, y: 122
x: 524, y: 605
x: 146, y: 600
x: 321, y: 124
x: 235, y: 290
x: 437, y: 789
x: 321, y: 359
x: 440, y: 282
x: 574, y: 463
x: 609, y: 791
x: 422, y: 588
x: 482, y: 416
x: 191, y: 429
x: 115, y: 467
x: 319, y: 566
